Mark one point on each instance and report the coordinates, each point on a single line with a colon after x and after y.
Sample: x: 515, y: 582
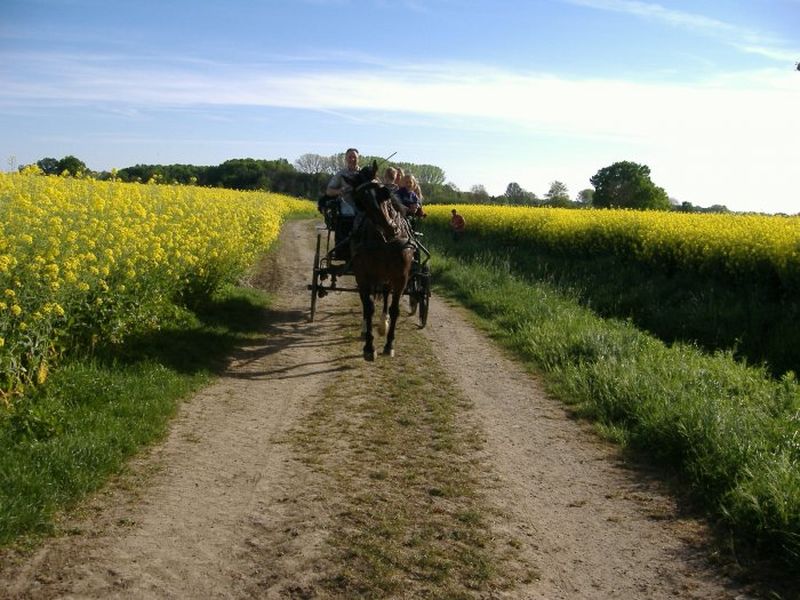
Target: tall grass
x: 730, y: 429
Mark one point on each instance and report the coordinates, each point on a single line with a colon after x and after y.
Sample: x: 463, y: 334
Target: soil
x: 227, y: 507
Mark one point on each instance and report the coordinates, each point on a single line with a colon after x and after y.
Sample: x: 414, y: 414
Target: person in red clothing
x: 457, y: 225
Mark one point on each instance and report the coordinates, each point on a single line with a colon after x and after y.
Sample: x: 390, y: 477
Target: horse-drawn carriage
x: 385, y: 255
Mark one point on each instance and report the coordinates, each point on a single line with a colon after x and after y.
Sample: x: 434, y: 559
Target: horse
x: 383, y: 253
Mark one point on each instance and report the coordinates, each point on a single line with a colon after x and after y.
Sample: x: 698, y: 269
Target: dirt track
x: 226, y: 507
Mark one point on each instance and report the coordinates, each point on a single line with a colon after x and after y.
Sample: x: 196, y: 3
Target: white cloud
x: 701, y: 139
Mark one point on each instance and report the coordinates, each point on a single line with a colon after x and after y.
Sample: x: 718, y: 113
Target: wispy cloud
x: 744, y: 38
x: 538, y: 101
x: 704, y: 132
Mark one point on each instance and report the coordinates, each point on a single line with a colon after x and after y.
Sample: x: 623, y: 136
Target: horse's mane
x: 381, y: 211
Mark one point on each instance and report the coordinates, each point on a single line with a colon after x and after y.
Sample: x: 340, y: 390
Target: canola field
x: 736, y: 246
x: 84, y: 262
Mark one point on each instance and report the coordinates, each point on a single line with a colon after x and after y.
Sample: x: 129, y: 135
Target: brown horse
x: 383, y: 253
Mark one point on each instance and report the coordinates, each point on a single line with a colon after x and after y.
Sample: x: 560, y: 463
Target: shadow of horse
x: 383, y: 253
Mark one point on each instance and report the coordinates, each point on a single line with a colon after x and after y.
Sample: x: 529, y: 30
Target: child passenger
x: 410, y: 195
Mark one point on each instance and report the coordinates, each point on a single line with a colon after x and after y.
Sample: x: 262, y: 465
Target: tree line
x: 624, y: 184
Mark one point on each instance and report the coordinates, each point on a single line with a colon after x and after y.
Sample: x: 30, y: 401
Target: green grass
x: 65, y: 439
x: 730, y: 430
x: 757, y: 320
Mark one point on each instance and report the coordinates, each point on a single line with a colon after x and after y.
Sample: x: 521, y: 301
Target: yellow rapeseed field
x: 83, y: 261
x: 732, y: 245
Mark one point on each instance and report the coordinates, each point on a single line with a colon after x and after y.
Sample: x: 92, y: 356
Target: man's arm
x: 335, y: 186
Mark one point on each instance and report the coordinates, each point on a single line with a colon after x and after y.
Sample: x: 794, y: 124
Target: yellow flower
x: 41, y: 373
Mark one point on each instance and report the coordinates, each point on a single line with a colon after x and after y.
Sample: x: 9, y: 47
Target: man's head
x: 351, y: 158
x: 453, y: 211
x: 389, y: 175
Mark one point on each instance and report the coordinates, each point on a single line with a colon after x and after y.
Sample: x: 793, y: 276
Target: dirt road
x: 254, y: 492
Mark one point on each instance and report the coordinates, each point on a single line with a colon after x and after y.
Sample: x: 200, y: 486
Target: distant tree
x: 479, y: 193
x: 314, y: 163
x: 338, y: 162
x: 244, y: 173
x: 514, y: 193
x: 73, y: 166
x: 140, y: 173
x: 557, y: 195
x: 627, y: 184
x: 585, y: 197
x: 49, y: 166
x: 428, y: 174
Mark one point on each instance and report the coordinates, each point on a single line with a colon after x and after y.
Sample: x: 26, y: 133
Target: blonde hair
x: 414, y: 186
x: 390, y: 174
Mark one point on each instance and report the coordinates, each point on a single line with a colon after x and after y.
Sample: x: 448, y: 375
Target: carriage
x: 332, y: 262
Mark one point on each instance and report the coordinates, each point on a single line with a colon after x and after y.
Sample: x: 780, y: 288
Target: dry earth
x: 227, y: 507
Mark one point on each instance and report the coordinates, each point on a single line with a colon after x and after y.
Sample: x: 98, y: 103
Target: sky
x: 706, y: 94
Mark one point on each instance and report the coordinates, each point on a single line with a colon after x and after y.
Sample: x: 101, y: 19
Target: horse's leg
x: 368, y: 307
x: 383, y: 325
x: 394, y: 312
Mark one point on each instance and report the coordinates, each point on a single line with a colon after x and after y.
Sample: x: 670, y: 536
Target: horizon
x: 491, y: 92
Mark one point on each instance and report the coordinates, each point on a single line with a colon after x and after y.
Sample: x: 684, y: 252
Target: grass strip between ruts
x: 402, y: 460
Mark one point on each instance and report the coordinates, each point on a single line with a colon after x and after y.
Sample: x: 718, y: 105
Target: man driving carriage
x: 339, y: 197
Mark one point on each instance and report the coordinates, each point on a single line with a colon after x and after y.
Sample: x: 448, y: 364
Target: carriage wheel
x: 315, y: 281
x: 424, y: 297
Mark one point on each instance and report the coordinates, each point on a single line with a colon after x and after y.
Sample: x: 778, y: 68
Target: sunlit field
x: 84, y: 262
x: 733, y: 245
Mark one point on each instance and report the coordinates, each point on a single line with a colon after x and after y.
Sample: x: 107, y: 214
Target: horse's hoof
x: 388, y: 352
x: 369, y: 356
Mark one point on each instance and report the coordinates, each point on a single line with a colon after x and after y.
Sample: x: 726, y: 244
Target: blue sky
x: 492, y: 91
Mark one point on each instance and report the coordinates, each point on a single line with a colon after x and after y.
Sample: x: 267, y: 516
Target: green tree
x: 49, y: 166
x: 514, y: 193
x: 558, y: 195
x: 627, y: 184
x: 428, y: 174
x: 479, y: 192
x: 586, y: 197
x: 72, y: 165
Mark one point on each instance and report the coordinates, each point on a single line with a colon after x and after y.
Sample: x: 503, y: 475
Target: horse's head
x: 374, y: 199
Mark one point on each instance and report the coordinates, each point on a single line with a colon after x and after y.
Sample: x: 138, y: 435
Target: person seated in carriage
x: 410, y: 197
x: 339, y: 198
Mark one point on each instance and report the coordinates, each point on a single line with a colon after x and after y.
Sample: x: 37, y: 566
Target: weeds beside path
x: 306, y: 473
